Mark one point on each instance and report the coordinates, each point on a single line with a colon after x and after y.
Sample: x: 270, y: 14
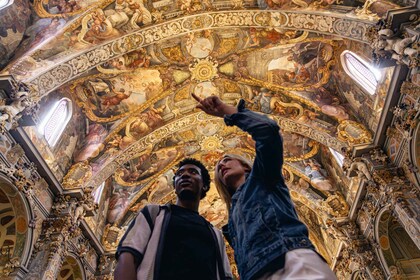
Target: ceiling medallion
x: 211, y: 143
x: 204, y: 69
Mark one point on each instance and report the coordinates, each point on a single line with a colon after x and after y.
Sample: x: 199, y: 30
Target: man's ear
x: 206, y: 188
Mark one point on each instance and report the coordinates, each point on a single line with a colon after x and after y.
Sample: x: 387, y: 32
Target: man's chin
x: 186, y: 194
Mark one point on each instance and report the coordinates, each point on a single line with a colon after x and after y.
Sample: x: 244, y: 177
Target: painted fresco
x: 135, y: 118
x: 109, y: 98
x: 129, y: 98
x: 13, y: 22
x: 118, y: 203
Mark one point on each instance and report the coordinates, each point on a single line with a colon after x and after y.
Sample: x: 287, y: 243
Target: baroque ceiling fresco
x: 130, y: 66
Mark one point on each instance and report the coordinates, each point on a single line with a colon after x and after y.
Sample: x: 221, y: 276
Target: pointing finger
x: 196, y: 97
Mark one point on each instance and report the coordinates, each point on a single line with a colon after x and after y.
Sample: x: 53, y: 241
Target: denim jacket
x: 263, y: 225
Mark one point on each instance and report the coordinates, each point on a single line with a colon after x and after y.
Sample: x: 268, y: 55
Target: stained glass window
x: 56, y: 121
x: 360, y: 71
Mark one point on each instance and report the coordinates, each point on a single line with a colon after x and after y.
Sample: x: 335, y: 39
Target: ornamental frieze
x: 305, y: 130
x: 320, y: 22
x: 182, y: 124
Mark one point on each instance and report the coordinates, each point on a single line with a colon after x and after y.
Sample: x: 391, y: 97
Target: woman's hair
x: 222, y: 189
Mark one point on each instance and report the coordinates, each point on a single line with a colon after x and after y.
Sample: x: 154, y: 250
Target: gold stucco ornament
x: 204, y: 69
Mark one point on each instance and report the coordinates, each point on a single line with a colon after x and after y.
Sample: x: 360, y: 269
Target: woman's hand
x: 212, y: 105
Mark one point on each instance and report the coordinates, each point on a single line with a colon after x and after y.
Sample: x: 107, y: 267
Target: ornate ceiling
x: 130, y: 67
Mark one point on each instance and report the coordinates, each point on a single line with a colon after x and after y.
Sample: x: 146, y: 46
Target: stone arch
x: 71, y: 269
x: 15, y: 215
x: 398, y: 254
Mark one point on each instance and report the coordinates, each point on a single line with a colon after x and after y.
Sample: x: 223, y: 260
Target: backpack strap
x: 220, y: 267
x: 150, y: 212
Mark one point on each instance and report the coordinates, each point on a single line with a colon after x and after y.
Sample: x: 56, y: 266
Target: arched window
x: 56, y: 121
x: 338, y: 157
x: 360, y: 71
x: 5, y: 3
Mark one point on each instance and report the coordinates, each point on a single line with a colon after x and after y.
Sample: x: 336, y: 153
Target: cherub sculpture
x: 10, y: 113
x: 359, y: 167
x: 401, y: 49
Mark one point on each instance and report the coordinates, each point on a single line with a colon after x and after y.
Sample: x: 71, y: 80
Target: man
x: 174, y: 241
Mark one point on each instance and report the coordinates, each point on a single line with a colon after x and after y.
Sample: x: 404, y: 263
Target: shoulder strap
x: 150, y: 212
x: 219, y: 251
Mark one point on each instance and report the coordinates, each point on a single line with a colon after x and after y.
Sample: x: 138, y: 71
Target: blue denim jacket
x: 263, y: 224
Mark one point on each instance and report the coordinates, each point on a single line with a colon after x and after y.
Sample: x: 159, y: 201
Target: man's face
x: 188, y: 182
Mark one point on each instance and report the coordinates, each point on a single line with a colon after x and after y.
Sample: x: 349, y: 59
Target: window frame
x: 56, y: 134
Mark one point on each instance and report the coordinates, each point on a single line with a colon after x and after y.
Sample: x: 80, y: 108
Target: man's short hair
x: 204, y: 173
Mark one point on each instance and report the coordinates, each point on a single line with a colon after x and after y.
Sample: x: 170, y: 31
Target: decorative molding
x: 21, y: 101
x: 193, y: 120
x: 316, y: 21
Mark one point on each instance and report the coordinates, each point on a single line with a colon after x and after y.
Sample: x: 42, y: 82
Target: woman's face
x: 231, y: 171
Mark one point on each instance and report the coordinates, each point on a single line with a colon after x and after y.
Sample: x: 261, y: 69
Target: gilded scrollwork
x: 353, y: 133
x: 410, y: 89
x: 75, y: 66
x: 77, y: 175
x: 111, y: 237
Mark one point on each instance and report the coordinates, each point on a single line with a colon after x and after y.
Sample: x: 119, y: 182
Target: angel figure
x: 10, y: 112
x: 401, y: 49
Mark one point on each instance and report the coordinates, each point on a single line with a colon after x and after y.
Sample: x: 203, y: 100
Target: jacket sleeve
x: 137, y: 236
x: 269, y: 143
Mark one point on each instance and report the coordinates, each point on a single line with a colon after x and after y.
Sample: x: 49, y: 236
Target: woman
x: 269, y: 240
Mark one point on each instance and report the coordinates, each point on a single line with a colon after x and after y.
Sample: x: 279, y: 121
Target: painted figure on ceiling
x: 101, y: 25
x: 118, y: 203
x: 300, y: 65
x: 330, y: 104
x: 162, y: 186
x: 132, y: 60
x: 317, y: 175
x: 141, y: 125
x: 63, y: 6
x: 93, y: 143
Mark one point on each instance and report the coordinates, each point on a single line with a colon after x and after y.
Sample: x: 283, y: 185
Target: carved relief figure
x: 9, y: 113
x: 358, y: 166
x: 401, y: 49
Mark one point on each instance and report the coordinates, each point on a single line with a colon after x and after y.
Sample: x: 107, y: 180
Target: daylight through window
x: 56, y: 120
x: 360, y: 71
